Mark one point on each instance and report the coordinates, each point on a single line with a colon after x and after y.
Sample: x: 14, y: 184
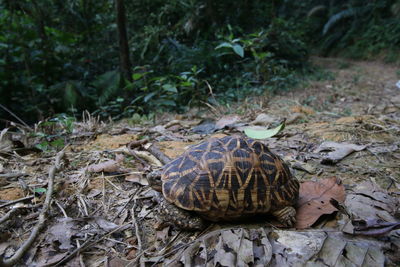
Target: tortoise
x: 225, y: 179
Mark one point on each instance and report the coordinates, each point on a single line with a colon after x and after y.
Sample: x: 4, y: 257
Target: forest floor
x: 342, y: 141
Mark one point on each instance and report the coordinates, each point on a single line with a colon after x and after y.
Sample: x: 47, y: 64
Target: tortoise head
x: 154, y: 179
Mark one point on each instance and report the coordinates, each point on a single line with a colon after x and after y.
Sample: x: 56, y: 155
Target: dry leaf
x: 228, y: 247
x: 205, y: 127
x: 104, y: 224
x: 300, y: 165
x: 107, y: 166
x: 263, y: 120
x: 94, y: 192
x: 225, y: 121
x: 137, y: 178
x: 314, y: 200
x: 117, y: 262
x: 338, y: 151
x: 148, y: 157
x: 338, y: 251
x: 374, y: 227
x: 291, y: 248
x: 163, y: 234
x: 62, y: 232
x: 368, y: 202
x: 258, y: 247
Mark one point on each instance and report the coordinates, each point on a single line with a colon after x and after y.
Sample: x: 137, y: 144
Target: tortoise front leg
x: 286, y: 216
x: 171, y: 214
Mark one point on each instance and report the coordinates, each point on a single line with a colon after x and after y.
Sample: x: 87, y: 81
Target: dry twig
x: 153, y: 149
x: 42, y: 216
x: 135, y: 223
x: 9, y: 214
x: 16, y: 201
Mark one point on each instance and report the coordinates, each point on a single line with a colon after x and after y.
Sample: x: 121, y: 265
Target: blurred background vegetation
x: 128, y: 58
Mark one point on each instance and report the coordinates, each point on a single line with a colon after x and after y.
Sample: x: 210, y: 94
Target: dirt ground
x: 102, y: 210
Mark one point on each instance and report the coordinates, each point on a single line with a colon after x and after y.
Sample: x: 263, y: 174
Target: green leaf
x: 39, y: 190
x: 44, y: 146
x: 223, y: 45
x: 137, y: 76
x: 238, y: 50
x: 58, y: 143
x: 167, y: 103
x: 264, y: 133
x: 170, y: 88
x: 147, y: 97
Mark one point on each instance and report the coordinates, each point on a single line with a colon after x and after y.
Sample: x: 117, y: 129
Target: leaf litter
x: 103, y: 211
x: 315, y: 200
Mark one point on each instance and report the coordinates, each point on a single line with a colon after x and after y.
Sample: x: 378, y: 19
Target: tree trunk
x: 125, y: 62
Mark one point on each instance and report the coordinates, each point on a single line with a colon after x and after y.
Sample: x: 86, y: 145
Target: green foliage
x: 62, y: 57
x: 361, y: 29
x: 52, y: 133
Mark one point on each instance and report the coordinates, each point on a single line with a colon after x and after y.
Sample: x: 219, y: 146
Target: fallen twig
x: 137, y: 143
x: 135, y: 223
x: 16, y: 201
x: 12, y: 175
x: 42, y: 216
x: 153, y: 149
x: 9, y: 214
x: 148, y: 157
x: 16, y: 117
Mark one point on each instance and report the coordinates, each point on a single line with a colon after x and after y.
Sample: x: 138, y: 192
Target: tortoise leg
x: 171, y: 214
x: 286, y: 216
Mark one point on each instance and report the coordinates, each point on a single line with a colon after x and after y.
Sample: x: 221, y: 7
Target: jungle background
x: 132, y: 58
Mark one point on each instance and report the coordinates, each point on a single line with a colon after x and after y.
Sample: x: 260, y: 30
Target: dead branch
x: 135, y: 223
x: 147, y: 157
x: 9, y: 214
x: 12, y: 175
x: 153, y: 149
x: 16, y: 201
x: 137, y: 143
x: 42, y: 216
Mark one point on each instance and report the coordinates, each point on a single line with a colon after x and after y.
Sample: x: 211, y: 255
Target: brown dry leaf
x: 374, y: 227
x: 47, y: 256
x: 228, y: 247
x: 263, y: 120
x: 163, y: 234
x: 340, y: 251
x: 107, y: 166
x: 314, y: 200
x: 300, y: 165
x: 205, y: 127
x: 225, y: 121
x: 117, y: 262
x: 338, y: 151
x: 104, y: 224
x: 137, y: 178
x: 368, y: 202
x: 258, y: 247
x: 62, y: 232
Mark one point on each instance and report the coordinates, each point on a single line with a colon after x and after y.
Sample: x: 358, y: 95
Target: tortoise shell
x: 229, y: 178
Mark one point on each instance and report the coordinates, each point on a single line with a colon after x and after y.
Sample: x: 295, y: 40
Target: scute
x: 227, y: 178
